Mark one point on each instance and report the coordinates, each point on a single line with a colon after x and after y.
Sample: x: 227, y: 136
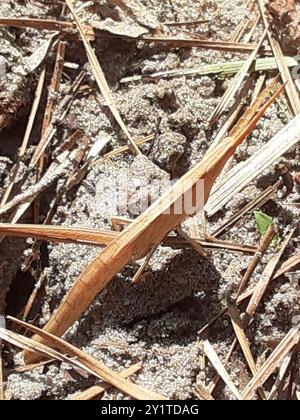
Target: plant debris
x: 285, y: 17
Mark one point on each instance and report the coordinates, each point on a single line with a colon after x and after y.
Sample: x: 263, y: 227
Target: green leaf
x: 263, y: 222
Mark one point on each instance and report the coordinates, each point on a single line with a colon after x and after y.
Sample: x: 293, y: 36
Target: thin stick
x: 138, y: 276
x: 217, y: 378
x: 218, y: 365
x: 34, y: 109
x: 96, y: 237
x: 51, y: 103
x: 39, y: 24
x: 274, y: 361
x: 125, y: 149
x: 288, y: 266
x: 96, y: 391
x: 233, y: 47
x: 189, y: 23
x: 255, y: 23
x: 33, y: 296
x: 100, y: 78
x: 263, y: 247
x: 291, y: 90
x: 266, y: 277
x: 28, y: 368
x: 202, y: 393
x: 235, y: 84
x: 256, y: 203
x: 243, y: 341
x: 258, y: 87
x: 195, y: 244
x: 90, y: 363
x: 55, y: 171
x: 235, y: 111
x: 59, y: 234
x: 282, y: 373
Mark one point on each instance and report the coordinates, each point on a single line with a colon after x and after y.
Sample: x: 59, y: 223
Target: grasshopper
x: 150, y: 229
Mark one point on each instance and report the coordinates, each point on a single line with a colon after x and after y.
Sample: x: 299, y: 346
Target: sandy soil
x: 158, y: 320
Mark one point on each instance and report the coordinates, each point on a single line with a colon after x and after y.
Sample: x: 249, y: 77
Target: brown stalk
x: 254, y: 26
x: 233, y: 47
x: 52, y: 101
x: 48, y: 25
x: 34, y: 109
x: 59, y: 234
x: 274, y: 361
x: 266, y: 278
x: 51, y: 104
x: 217, y: 378
x: 256, y: 295
x: 243, y: 25
x: 288, y: 266
x: 235, y: 111
x: 97, y: 390
x: 258, y: 87
x: 214, y: 244
x: 33, y: 295
x: 125, y: 149
x: 188, y: 23
x: 39, y: 24
x: 235, y: 85
x: 139, y: 275
x: 83, y: 361
x: 262, y: 249
x: 281, y: 375
x: 243, y: 341
x: 24, y: 200
x: 252, y: 110
x: 100, y: 78
x: 194, y: 244
x: 256, y: 203
x: 70, y: 142
x: 202, y: 393
x: 147, y: 231
x: 95, y: 237
x: 28, y: 368
x: 70, y: 181
x: 240, y: 30
x: 218, y: 365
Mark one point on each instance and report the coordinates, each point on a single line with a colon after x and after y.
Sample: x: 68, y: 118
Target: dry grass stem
x: 273, y: 362
x: 100, y: 78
